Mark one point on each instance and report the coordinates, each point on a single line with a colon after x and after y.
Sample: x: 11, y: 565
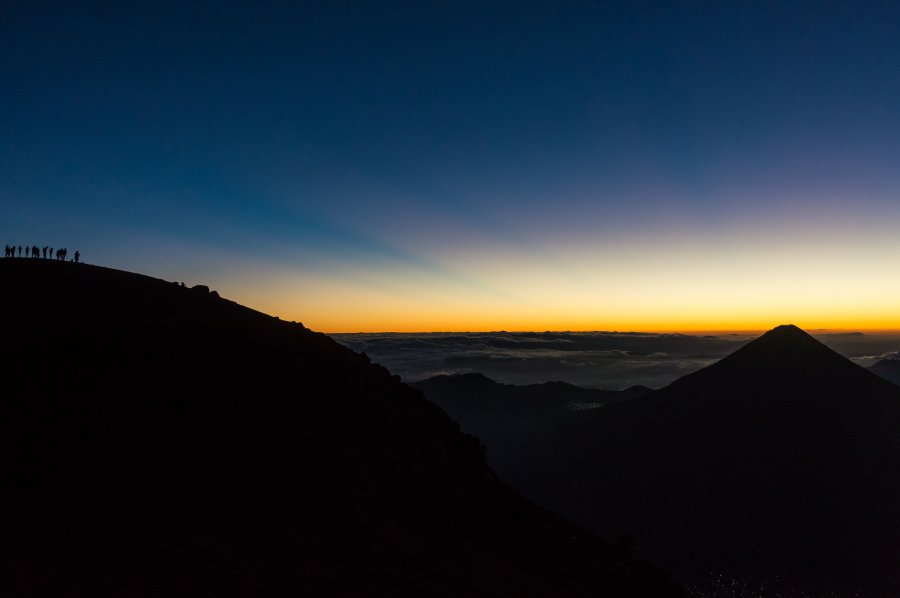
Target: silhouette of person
x: 35, y: 251
x: 45, y: 252
x: 20, y: 251
x: 50, y: 253
x: 77, y: 255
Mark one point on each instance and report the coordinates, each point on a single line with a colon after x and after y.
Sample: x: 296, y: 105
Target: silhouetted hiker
x: 44, y: 252
x: 35, y: 251
x: 50, y: 253
x: 77, y: 255
x: 20, y: 251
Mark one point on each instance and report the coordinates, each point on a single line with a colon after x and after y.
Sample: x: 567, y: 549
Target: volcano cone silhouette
x: 780, y: 461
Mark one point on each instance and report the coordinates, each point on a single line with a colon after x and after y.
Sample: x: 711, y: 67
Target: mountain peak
x: 786, y: 328
x: 783, y: 358
x: 784, y: 342
x: 784, y: 439
x: 787, y: 331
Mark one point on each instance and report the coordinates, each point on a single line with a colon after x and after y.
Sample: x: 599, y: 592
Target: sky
x: 440, y: 166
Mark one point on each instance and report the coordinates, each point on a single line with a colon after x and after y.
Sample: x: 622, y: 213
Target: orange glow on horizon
x: 426, y: 322
x: 694, y: 287
x: 358, y: 310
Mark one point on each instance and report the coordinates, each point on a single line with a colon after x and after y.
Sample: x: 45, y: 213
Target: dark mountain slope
x: 158, y: 440
x: 781, y: 463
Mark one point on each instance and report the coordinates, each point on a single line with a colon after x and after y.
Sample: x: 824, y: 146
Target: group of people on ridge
x: 45, y: 252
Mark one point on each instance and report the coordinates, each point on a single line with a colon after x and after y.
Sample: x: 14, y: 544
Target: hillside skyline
x: 186, y: 444
x: 469, y: 166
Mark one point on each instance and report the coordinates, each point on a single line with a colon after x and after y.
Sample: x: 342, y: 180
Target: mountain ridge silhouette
x: 161, y: 440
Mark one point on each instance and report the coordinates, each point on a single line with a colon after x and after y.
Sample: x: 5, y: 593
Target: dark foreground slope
x: 158, y: 440
x: 780, y: 463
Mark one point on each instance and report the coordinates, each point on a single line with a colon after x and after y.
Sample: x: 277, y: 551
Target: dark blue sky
x: 481, y: 150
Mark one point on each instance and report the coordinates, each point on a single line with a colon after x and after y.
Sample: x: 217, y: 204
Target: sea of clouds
x: 610, y: 360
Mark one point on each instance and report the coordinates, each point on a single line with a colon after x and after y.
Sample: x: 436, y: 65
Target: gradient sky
x: 364, y: 166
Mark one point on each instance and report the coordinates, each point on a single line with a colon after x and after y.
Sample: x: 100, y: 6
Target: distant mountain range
x: 779, y: 464
x: 157, y: 440
x: 507, y: 416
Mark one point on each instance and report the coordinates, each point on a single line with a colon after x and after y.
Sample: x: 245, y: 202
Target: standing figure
x: 20, y: 251
x: 77, y: 255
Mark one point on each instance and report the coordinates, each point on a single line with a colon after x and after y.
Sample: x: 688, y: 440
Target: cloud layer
x: 590, y: 359
x: 609, y: 360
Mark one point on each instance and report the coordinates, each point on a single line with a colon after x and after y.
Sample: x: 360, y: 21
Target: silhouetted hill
x: 777, y: 464
x: 505, y: 416
x: 888, y: 368
x: 159, y: 440
x: 469, y: 391
x: 475, y: 400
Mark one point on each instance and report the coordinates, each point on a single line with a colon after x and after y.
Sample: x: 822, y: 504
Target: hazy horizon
x: 608, y: 360
x: 693, y: 332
